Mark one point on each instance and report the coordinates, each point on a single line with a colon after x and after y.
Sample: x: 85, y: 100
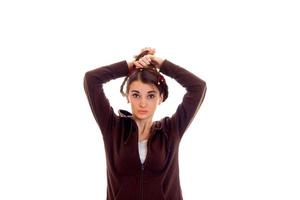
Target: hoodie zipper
x: 142, y: 177
x: 142, y: 171
x: 143, y: 167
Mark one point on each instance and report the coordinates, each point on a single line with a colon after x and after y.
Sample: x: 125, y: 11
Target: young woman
x: 141, y: 154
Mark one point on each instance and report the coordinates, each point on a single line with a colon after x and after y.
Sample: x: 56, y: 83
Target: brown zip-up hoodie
x: 158, y: 177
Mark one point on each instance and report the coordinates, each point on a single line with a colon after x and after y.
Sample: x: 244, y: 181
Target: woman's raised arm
x: 93, y: 86
x: 195, y: 90
x: 193, y: 98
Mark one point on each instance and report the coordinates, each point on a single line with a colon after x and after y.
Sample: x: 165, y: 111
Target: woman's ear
x: 161, y: 99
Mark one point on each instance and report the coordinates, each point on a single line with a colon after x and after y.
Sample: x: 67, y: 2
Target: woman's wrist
x: 130, y: 64
x: 160, y: 61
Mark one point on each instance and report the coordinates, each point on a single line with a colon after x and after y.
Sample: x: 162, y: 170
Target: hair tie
x: 160, y: 79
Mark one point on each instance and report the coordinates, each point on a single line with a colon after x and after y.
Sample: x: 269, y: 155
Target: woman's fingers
x: 137, y: 64
x: 151, y: 50
x: 148, y: 58
x: 144, y: 61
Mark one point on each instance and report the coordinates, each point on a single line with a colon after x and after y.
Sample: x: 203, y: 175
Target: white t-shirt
x: 143, y: 150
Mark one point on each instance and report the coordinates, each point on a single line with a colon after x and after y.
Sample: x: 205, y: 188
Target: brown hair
x: 148, y: 75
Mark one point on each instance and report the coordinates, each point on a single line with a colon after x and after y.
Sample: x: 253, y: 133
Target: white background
x: 244, y: 142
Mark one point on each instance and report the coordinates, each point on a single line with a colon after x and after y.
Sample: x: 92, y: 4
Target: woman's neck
x: 144, y: 127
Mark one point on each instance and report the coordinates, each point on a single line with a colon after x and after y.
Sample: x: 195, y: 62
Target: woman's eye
x: 151, y: 96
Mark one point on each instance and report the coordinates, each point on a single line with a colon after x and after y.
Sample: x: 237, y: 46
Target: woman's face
x: 144, y: 99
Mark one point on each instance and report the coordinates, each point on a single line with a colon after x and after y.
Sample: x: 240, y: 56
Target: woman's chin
x: 142, y: 115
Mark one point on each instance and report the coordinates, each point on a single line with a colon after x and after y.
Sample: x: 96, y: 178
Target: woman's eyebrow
x: 152, y: 91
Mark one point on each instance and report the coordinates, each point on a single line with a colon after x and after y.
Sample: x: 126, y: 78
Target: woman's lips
x: 142, y: 111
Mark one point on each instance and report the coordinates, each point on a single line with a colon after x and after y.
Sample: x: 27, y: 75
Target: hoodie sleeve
x: 193, y: 98
x: 93, y: 86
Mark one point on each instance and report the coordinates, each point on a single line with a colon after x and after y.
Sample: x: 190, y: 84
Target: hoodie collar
x: 126, y: 114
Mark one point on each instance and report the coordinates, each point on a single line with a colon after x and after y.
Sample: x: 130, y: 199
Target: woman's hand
x: 151, y: 50
x: 145, y: 60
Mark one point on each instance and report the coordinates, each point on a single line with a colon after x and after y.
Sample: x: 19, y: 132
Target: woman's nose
x: 143, y: 102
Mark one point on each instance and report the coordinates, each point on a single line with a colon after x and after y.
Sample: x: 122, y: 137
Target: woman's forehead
x: 139, y: 86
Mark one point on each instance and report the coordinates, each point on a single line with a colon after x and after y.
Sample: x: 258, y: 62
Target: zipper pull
x: 142, y: 167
